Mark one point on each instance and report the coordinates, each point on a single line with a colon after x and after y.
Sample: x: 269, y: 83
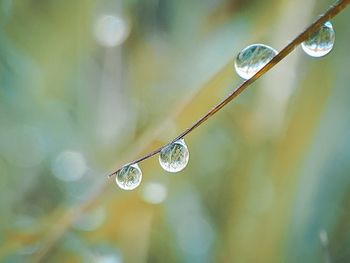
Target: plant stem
x: 329, y: 14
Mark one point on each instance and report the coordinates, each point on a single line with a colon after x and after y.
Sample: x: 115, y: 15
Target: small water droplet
x: 251, y: 59
x: 174, y: 157
x: 321, y: 42
x: 129, y: 177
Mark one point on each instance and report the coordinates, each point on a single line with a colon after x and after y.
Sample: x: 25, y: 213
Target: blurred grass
x: 257, y: 189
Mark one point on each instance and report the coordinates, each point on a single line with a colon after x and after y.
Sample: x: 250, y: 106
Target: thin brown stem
x: 329, y: 14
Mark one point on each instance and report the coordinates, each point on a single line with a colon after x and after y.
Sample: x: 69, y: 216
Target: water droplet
x: 174, y: 157
x: 129, y: 177
x: 251, y: 59
x: 321, y: 42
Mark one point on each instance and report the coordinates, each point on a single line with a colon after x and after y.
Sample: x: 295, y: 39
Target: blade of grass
x: 329, y: 14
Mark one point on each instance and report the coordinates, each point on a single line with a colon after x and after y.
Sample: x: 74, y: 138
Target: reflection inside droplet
x: 253, y: 58
x: 321, y: 42
x: 129, y: 177
x: 174, y: 157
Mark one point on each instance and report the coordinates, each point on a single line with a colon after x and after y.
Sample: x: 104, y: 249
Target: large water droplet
x: 129, y: 177
x: 174, y: 157
x: 251, y: 59
x: 321, y: 42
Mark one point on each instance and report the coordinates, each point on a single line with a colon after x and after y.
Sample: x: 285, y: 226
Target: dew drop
x: 174, y: 157
x: 129, y: 177
x: 321, y: 42
x: 251, y: 59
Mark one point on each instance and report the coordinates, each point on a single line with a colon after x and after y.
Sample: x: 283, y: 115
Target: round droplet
x: 174, y: 157
x: 129, y: 177
x: 251, y: 59
x: 321, y: 42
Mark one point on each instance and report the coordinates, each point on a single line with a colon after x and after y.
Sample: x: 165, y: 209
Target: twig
x: 329, y: 14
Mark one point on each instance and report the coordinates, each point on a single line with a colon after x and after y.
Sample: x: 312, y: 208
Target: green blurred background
x: 87, y: 85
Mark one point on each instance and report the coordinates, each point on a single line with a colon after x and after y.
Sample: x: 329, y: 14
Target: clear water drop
x: 252, y: 58
x: 129, y: 177
x: 321, y: 42
x: 174, y: 157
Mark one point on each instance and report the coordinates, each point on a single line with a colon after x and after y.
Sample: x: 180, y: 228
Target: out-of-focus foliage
x: 88, y: 85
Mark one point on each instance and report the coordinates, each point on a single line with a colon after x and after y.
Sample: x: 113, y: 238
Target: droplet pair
x: 254, y: 57
x: 172, y: 158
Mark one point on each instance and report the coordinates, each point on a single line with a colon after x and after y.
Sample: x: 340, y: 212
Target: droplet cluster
x: 174, y: 157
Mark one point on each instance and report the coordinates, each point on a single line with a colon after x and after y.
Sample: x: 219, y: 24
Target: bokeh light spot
x: 111, y: 30
x: 69, y: 166
x: 154, y: 193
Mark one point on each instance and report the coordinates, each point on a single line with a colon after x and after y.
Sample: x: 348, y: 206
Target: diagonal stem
x: 329, y: 14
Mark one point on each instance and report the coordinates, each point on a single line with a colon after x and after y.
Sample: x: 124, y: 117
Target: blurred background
x: 87, y: 85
